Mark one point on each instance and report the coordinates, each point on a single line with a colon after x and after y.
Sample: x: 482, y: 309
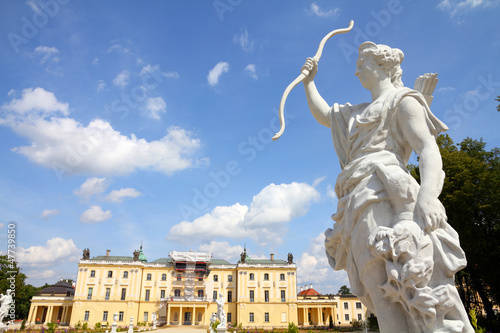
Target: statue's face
x: 368, y: 72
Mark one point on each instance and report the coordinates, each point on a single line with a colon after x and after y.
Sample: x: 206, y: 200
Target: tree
x: 12, y: 278
x: 471, y: 197
x: 498, y: 100
x: 344, y: 290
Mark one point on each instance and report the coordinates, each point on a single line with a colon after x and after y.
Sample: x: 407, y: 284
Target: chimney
x: 311, y: 286
x: 107, y: 253
x: 272, y: 256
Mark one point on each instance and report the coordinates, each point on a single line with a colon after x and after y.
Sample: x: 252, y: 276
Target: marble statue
x: 391, y: 234
x: 213, y: 320
x: 114, y: 324
x: 221, y: 314
x: 131, y: 326
x: 5, y: 301
x: 153, y: 319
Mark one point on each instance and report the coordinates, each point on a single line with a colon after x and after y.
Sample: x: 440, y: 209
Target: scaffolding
x: 191, y: 263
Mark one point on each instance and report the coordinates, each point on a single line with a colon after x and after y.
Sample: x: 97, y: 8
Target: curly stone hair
x: 386, y: 57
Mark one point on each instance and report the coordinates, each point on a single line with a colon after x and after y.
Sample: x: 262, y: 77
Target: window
x: 266, y: 317
x: 229, y: 296
x: 200, y: 293
x: 92, y: 273
x: 179, y: 277
x: 359, y: 316
x: 347, y: 317
x: 120, y: 316
x: 162, y: 293
x: 283, y: 297
x: 164, y: 277
x: 214, y: 295
x: 89, y: 295
x: 177, y: 293
x: 266, y: 296
x: 110, y: 274
x: 124, y: 293
x: 148, y: 277
x: 105, y: 316
x: 125, y: 275
x: 346, y: 305
x: 216, y: 278
x: 229, y: 278
x: 252, y: 293
x: 200, y: 277
x: 282, y: 277
x: 108, y: 292
x: 229, y: 317
x: 145, y: 316
x: 146, y: 297
x: 266, y: 277
x: 86, y: 318
x: 358, y: 305
x: 251, y: 319
x: 251, y: 277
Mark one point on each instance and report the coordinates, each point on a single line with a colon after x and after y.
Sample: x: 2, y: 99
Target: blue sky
x: 124, y: 122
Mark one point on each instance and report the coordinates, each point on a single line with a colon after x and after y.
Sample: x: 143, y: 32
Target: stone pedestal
x: 3, y: 327
x: 131, y: 326
x: 221, y: 329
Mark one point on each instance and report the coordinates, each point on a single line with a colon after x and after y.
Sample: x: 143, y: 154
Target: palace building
x: 182, y: 289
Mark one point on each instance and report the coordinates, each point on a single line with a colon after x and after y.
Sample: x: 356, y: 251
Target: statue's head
x: 386, y: 58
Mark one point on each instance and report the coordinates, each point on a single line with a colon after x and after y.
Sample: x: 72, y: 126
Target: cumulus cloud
x: 36, y: 99
x: 119, y: 195
x: 455, y: 7
x: 313, y: 267
x: 50, y: 212
x: 56, y: 250
x: 216, y: 72
x: 222, y: 250
x: 244, y: 40
x: 92, y: 186
x: 154, y: 106
x: 122, y: 79
x: 95, y: 214
x: 69, y: 147
x: 316, y: 10
x: 46, y: 274
x: 250, y: 70
x: 264, y: 220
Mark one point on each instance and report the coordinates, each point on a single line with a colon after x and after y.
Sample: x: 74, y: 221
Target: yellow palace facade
x: 181, y: 290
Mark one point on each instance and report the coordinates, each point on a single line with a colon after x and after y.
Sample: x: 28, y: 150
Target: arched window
x: 229, y: 278
x: 92, y: 273
x: 216, y: 278
x: 164, y: 277
x: 125, y: 275
x: 252, y: 276
x: 266, y: 277
x: 148, y: 277
x: 282, y: 277
x: 110, y: 274
x: 177, y: 292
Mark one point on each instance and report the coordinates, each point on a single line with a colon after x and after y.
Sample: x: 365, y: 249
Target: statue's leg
x: 372, y: 269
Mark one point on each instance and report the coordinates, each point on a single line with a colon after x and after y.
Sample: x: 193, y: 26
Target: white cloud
x: 119, y: 195
x: 56, y: 250
x: 264, y: 220
x: 313, y: 267
x: 96, y: 61
x: 216, y: 72
x: 331, y: 192
x: 95, y: 214
x: 156, y: 72
x: 101, y: 85
x: 36, y: 99
x: 250, y: 70
x: 46, y: 274
x: 244, y: 41
x: 154, y: 106
x: 316, y: 10
x: 45, y: 53
x: 34, y: 6
x: 122, y: 79
x: 92, y: 186
x: 458, y: 6
x: 222, y: 250
x: 69, y: 147
x: 448, y: 88
x: 50, y: 212
x: 117, y: 47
